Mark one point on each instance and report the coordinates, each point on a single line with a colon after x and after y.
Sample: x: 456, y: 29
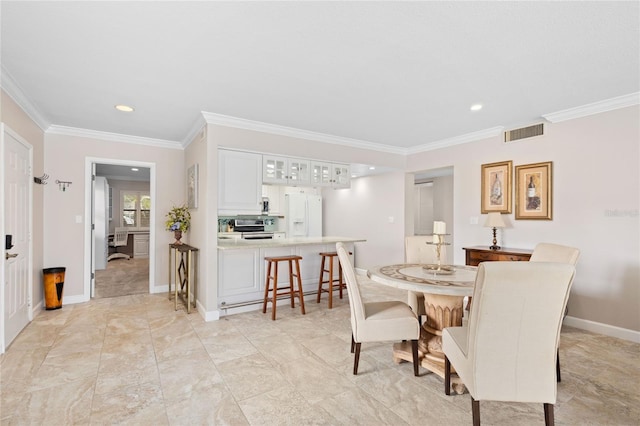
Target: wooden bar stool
x: 321, y: 281
x: 279, y: 291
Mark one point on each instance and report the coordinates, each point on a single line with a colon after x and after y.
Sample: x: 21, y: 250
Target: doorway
x: 121, y: 198
x: 433, y: 201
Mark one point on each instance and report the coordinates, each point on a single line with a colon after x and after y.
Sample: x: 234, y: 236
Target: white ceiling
x: 397, y: 74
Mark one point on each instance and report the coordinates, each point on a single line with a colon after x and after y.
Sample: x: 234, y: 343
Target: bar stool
x: 321, y: 281
x: 278, y: 291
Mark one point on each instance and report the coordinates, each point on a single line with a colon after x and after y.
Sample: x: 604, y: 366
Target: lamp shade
x: 494, y: 220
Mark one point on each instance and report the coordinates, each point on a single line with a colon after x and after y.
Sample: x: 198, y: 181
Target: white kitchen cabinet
x: 330, y: 174
x: 239, y: 276
x: 140, y: 245
x: 239, y: 183
x: 285, y: 170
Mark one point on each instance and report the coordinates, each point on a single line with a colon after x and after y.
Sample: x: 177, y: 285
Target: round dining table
x: 444, y: 290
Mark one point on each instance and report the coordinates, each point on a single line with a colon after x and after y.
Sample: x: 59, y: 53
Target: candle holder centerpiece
x: 438, y: 240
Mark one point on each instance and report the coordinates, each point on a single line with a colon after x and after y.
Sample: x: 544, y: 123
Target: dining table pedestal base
x: 442, y: 311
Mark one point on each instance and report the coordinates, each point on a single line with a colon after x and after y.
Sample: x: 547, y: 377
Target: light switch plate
x: 473, y: 220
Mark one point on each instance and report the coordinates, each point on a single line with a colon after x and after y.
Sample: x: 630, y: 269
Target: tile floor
x: 134, y: 360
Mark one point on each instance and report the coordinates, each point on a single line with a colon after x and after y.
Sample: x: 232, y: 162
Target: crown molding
x: 194, y: 132
x: 112, y: 137
x: 259, y: 126
x: 594, y: 108
x: 15, y: 92
x: 457, y: 140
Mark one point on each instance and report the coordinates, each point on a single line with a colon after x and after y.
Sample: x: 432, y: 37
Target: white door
x: 17, y: 223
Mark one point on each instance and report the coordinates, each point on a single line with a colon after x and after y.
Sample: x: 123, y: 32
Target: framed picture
x: 495, y: 189
x: 192, y: 187
x: 534, y: 198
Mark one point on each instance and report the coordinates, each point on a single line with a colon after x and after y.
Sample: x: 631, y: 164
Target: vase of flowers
x: 178, y: 221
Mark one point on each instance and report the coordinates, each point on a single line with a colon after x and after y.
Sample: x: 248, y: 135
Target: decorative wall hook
x: 42, y: 180
x: 62, y: 185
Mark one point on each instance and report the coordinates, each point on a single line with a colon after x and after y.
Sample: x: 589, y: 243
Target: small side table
x: 183, y: 269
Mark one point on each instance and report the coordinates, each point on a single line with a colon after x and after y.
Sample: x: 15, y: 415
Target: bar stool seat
x: 341, y: 284
x: 271, y: 283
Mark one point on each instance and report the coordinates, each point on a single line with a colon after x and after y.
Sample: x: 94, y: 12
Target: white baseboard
x: 160, y: 289
x: 70, y: 300
x: 600, y: 328
x: 207, y: 316
x: 37, y: 310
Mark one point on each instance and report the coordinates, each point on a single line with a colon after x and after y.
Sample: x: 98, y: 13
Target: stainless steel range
x: 251, y: 229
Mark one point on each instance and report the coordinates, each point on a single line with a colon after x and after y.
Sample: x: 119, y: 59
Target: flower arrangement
x: 178, y: 219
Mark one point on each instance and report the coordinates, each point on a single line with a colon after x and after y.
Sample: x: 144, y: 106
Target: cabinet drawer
x: 475, y: 256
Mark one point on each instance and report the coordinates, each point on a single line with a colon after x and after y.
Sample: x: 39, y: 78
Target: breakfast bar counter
x: 235, y: 244
x: 242, y: 272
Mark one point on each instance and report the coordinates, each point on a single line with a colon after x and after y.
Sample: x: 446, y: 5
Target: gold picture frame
x: 495, y: 187
x: 192, y: 186
x: 534, y: 191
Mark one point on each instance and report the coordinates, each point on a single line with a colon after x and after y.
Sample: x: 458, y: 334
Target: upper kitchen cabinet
x: 239, y: 183
x: 285, y: 171
x: 330, y: 174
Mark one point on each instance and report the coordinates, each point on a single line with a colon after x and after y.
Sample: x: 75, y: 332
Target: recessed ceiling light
x: 135, y: 169
x: 372, y: 168
x: 124, y: 108
x: 353, y: 176
x: 476, y: 107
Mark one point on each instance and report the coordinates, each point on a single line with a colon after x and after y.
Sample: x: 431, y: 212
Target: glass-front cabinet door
x: 341, y: 175
x: 274, y: 169
x: 321, y: 174
x: 298, y: 172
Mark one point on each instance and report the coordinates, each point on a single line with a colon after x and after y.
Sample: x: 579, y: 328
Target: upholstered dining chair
x: 417, y: 250
x: 377, y: 321
x: 507, y: 350
x: 548, y: 252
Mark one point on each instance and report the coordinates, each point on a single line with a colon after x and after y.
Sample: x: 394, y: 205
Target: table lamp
x: 494, y: 220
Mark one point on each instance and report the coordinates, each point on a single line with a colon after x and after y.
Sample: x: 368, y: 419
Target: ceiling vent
x: 524, y: 132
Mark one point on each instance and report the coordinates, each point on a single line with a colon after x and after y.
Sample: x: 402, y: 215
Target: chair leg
x: 340, y: 278
x: 353, y: 343
x: 266, y: 288
x: 416, y: 361
x: 330, y: 282
x: 548, y: 415
x: 447, y: 376
x: 320, y: 280
x: 475, y: 410
x: 558, y: 378
x: 292, y: 292
x: 356, y: 358
x: 300, y: 293
x: 274, y: 291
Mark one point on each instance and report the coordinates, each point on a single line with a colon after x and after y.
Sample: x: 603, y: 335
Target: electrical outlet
x: 391, y: 219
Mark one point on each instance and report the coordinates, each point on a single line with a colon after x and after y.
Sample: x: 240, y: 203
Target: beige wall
x: 14, y: 117
x: 64, y: 238
x: 596, y: 200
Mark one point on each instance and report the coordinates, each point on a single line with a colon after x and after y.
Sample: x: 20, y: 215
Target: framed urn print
x: 495, y: 187
x: 534, y: 196
x: 192, y: 186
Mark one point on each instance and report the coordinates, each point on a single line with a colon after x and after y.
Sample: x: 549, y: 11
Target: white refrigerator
x: 303, y: 215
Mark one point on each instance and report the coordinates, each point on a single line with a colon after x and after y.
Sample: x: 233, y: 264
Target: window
x: 136, y: 210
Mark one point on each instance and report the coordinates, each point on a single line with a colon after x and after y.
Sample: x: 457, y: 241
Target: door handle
x: 8, y: 256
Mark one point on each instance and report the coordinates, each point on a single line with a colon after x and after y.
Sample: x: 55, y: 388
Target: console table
x: 183, y: 268
x: 477, y: 254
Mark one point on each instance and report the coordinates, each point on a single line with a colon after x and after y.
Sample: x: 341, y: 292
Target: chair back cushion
x: 417, y: 250
x: 547, y: 252
x: 355, y: 299
x: 514, y: 328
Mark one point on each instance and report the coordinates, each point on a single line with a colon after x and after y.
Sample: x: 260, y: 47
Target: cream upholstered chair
x: 547, y: 252
x: 120, y: 237
x: 416, y: 250
x: 377, y: 321
x: 507, y: 351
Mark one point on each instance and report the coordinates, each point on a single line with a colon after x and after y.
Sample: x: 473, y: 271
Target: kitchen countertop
x: 231, y: 244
